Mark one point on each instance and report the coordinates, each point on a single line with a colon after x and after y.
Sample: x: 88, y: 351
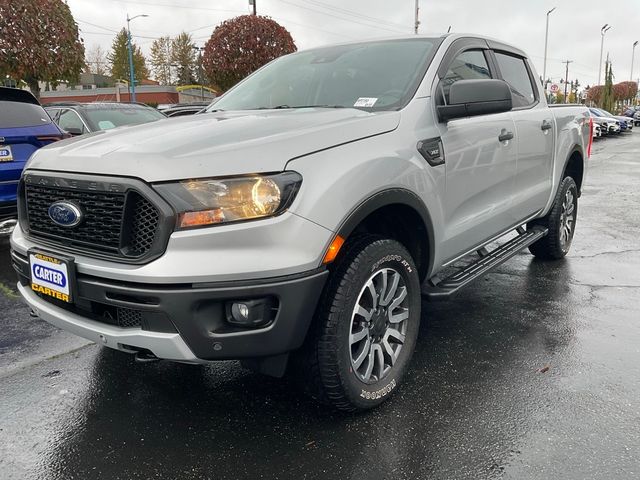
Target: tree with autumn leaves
x: 240, y: 46
x: 39, y: 42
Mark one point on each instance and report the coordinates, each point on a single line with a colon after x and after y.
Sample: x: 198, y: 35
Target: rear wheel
x: 365, y: 327
x: 561, y: 222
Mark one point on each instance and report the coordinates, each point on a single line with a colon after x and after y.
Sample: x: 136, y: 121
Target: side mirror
x: 468, y: 98
x: 75, y: 131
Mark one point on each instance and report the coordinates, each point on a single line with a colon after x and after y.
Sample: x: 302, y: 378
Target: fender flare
x: 384, y: 198
x: 575, y: 149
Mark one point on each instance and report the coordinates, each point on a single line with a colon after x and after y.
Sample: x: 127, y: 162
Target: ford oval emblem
x: 65, y: 214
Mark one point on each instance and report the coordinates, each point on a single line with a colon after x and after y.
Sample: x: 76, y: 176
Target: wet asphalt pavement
x: 533, y: 372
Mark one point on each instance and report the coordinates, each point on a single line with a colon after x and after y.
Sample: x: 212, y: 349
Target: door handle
x: 504, y: 136
x: 546, y: 125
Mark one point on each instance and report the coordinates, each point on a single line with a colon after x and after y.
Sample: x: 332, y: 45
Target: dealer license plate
x: 5, y: 153
x: 51, y: 275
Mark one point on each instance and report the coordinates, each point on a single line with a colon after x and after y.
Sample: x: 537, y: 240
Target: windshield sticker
x: 365, y: 102
x: 105, y: 125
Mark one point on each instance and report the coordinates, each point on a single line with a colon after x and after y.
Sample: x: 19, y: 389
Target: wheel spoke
x: 398, y: 300
x: 370, y: 362
x: 392, y: 355
x: 392, y: 289
x: 364, y: 313
x: 392, y: 332
x: 374, y: 295
x: 357, y: 336
x: 379, y: 356
x: 357, y: 362
x: 398, y: 317
x: 570, y: 209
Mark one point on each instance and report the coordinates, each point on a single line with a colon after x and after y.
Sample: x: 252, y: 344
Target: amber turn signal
x: 333, y: 250
x: 201, y: 218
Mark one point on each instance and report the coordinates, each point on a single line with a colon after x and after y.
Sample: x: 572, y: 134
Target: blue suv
x: 24, y: 128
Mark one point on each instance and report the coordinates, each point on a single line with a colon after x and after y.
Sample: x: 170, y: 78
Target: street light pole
x: 633, y: 54
x: 132, y: 82
x: 603, y: 30
x: 546, y: 41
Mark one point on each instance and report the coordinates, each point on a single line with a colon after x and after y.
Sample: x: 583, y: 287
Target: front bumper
x: 182, y: 322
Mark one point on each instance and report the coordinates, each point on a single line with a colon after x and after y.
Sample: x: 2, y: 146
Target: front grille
x: 121, y: 224
x: 129, y: 318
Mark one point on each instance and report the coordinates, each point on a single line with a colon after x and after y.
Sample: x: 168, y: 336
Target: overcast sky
x: 574, y: 32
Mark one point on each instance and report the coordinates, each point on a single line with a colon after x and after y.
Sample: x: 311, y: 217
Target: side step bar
x: 444, y: 288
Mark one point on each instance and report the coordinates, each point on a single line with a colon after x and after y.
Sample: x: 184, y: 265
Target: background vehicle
x: 625, y: 122
x: 81, y: 118
x: 308, y: 212
x: 24, y: 127
x: 597, y: 131
x: 613, y: 125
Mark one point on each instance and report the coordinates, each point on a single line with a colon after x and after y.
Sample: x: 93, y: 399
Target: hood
x: 212, y: 144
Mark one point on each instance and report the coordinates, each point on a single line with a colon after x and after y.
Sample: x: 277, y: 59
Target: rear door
x: 535, y: 135
x: 480, y: 169
x: 24, y: 127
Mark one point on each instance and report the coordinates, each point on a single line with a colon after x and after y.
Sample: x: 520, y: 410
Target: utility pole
x: 132, y: 81
x: 603, y: 30
x: 417, y: 20
x: 633, y: 54
x: 253, y: 3
x: 546, y: 41
x: 566, y: 78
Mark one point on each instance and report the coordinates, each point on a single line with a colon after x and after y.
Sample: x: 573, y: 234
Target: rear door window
x: 514, y: 71
x: 16, y: 114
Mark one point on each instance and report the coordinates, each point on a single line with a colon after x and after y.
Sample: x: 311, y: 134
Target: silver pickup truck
x: 298, y: 223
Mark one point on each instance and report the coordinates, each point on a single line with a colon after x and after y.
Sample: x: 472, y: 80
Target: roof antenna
x: 449, y: 30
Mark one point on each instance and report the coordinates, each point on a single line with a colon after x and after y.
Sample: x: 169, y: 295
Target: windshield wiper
x: 284, y: 107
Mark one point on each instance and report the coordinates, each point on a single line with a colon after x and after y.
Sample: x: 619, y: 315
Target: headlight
x: 213, y: 201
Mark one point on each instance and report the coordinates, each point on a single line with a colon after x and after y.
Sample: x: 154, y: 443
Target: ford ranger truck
x: 297, y: 224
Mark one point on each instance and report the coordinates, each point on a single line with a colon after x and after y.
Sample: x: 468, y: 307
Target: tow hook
x: 33, y: 313
x: 7, y: 226
x: 145, y: 357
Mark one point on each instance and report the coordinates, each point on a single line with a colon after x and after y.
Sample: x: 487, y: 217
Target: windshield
x: 105, y: 118
x: 372, y: 76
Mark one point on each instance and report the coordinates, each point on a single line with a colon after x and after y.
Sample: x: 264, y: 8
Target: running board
x: 446, y: 287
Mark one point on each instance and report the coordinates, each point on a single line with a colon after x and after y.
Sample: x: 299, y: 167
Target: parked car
x: 601, y: 123
x: 307, y: 214
x: 182, y: 110
x: 625, y: 122
x: 80, y: 118
x: 613, y: 125
x: 597, y: 131
x: 24, y: 128
x: 636, y: 118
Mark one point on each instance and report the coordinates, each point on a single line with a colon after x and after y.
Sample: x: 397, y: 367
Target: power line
x: 187, y: 7
x: 355, y: 14
x: 339, y: 17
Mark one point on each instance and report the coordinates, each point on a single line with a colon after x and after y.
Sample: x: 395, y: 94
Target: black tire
x: 554, y: 245
x: 327, y: 356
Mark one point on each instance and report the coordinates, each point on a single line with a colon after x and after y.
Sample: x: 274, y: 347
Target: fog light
x: 251, y: 313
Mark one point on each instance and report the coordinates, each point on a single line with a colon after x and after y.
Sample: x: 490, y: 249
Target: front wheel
x: 365, y: 327
x: 561, y: 222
